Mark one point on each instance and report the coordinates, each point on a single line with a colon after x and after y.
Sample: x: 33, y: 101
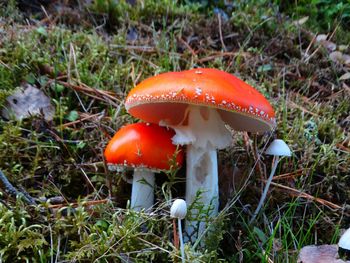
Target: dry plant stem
x: 266, y: 189
x: 87, y: 203
x: 297, y: 193
x: 176, y: 237
x: 101, y: 95
x: 11, y: 190
x: 290, y: 175
x: 181, y: 241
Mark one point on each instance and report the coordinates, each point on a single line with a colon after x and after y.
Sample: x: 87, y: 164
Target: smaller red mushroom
x: 146, y: 148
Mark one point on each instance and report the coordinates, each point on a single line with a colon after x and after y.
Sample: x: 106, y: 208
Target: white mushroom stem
x: 202, y: 175
x: 277, y: 148
x: 204, y: 133
x: 142, y: 195
x: 179, y: 210
x: 182, y: 248
x: 266, y: 189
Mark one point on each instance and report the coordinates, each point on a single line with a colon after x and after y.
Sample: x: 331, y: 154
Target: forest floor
x: 85, y: 56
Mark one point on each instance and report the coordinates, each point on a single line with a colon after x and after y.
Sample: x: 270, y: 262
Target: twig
x: 217, y: 55
x: 65, y: 125
x: 220, y: 33
x: 342, y: 147
x: 188, y: 46
x: 88, y: 203
x: 298, y: 193
x: 294, y: 105
x: 11, y: 190
x: 101, y: 95
x: 289, y: 175
x: 4, y: 64
x: 176, y: 237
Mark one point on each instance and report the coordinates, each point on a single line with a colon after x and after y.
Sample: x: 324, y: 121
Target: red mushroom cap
x: 142, y: 145
x: 166, y: 97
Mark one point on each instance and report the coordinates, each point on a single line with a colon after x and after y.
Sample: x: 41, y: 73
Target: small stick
x: 176, y: 237
x: 88, y: 203
x: 11, y: 190
x: 220, y: 33
x: 291, y: 175
x: 301, y: 194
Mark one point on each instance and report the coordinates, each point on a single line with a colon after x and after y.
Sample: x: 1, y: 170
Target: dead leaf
x: 320, y: 254
x: 28, y: 101
x: 329, y: 45
x: 321, y: 37
x: 345, y: 76
x: 336, y: 56
x: 301, y: 21
x: 346, y: 59
x: 343, y: 47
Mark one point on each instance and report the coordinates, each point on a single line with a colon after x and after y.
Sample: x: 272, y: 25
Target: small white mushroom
x: 179, y: 210
x: 277, y: 148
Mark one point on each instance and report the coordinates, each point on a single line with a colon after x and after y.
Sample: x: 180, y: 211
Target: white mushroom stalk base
x: 204, y: 133
x: 203, y: 170
x: 142, y: 194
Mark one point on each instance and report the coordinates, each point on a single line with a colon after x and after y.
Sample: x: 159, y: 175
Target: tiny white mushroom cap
x: 344, y: 241
x: 278, y: 148
x: 178, y: 209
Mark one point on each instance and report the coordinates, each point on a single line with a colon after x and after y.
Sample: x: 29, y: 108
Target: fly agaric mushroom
x: 197, y: 104
x: 146, y: 148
